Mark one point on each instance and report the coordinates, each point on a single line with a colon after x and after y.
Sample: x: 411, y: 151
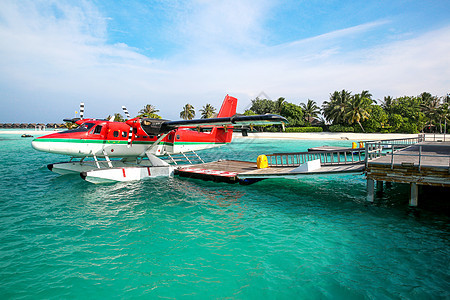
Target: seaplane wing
x: 155, y: 126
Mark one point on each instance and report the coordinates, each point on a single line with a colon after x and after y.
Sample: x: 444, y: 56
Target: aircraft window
x: 178, y: 136
x: 98, y: 129
x: 82, y: 128
x: 124, y: 134
x: 116, y: 133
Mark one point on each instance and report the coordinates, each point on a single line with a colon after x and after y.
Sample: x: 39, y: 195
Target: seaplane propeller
x: 125, y: 111
x: 134, y: 125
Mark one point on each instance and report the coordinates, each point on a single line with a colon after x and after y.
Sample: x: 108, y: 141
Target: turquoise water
x: 62, y: 237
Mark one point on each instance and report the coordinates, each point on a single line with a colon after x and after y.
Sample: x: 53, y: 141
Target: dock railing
x: 327, y: 158
x: 372, y: 149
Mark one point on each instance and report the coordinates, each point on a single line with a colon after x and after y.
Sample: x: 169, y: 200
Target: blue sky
x: 55, y: 54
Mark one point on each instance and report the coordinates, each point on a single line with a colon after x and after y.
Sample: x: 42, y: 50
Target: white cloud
x: 59, y: 59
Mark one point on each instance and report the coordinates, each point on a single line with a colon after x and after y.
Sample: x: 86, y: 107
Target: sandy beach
x: 332, y: 136
x: 27, y: 131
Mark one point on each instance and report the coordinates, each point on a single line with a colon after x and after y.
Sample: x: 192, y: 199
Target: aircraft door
x: 99, y: 132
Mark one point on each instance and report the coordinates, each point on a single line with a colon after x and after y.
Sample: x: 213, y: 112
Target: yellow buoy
x: 361, y: 145
x: 354, y: 145
x: 262, y: 162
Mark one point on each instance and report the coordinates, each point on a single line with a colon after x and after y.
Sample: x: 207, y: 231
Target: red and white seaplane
x: 140, y: 143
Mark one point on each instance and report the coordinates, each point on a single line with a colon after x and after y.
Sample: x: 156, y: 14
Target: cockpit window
x: 82, y: 128
x: 98, y: 129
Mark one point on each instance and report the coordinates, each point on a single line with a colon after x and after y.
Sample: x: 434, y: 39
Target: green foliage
x: 334, y: 110
x: 357, y: 109
x: 304, y: 129
x: 345, y: 109
x: 118, y: 118
x: 149, y: 111
x: 207, y: 111
x: 358, y: 113
x: 293, y: 113
x: 407, y: 114
x: 378, y: 120
x: 188, y: 112
x: 310, y: 111
x: 408, y: 127
x: 395, y: 121
x: 249, y: 112
x: 407, y: 107
x: 271, y: 129
x: 279, y: 104
x: 263, y: 106
x: 341, y: 128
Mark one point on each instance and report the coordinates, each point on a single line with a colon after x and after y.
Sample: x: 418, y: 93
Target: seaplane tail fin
x: 228, y: 108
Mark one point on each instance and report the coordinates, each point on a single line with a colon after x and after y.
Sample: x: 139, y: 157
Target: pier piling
x: 413, y: 200
x: 370, y: 190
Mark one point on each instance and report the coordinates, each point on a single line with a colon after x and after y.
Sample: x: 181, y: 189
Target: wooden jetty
x: 218, y: 171
x: 281, y: 165
x: 425, y: 163
x: 234, y: 171
x: 413, y: 161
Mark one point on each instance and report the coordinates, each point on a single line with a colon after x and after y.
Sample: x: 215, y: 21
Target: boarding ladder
x: 190, y: 157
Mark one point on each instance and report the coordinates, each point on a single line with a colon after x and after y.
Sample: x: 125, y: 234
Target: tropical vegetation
x: 208, y: 111
x: 342, y: 112
x: 149, y: 111
x: 188, y: 112
x: 347, y: 112
x: 407, y: 114
x: 118, y: 118
x: 310, y: 111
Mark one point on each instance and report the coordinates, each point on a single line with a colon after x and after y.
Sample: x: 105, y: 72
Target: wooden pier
x: 413, y: 161
x: 425, y: 163
x: 281, y: 165
x: 218, y: 171
x: 233, y: 171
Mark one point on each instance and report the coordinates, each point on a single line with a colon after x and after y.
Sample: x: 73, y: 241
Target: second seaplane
x: 140, y: 143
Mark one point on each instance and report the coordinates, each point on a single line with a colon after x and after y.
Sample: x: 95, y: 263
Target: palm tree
x: 208, y: 111
x: 443, y: 114
x: 366, y: 94
x: 358, y: 109
x: 118, y: 118
x: 310, y: 110
x: 279, y: 104
x: 430, y: 107
x: 387, y: 103
x: 149, y: 111
x: 334, y: 110
x: 188, y: 112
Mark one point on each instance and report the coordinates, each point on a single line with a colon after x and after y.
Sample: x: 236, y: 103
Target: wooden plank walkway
x: 422, y: 163
x: 289, y: 172
x: 233, y: 171
x: 431, y: 167
x: 219, y: 171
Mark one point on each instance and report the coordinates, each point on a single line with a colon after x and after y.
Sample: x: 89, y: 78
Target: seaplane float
x: 139, y: 147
